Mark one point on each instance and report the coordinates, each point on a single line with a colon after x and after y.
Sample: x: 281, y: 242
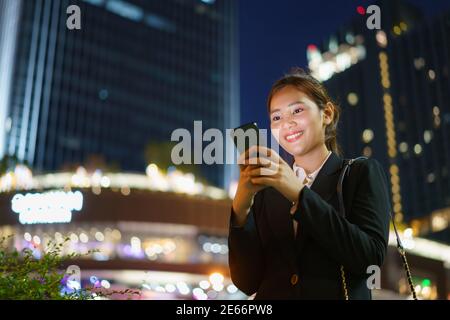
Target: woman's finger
x: 263, y: 180
x: 262, y: 171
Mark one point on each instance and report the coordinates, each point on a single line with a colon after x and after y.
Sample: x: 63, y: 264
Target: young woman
x: 287, y: 239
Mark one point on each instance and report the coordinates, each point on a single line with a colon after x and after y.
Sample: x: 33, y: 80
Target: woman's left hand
x: 275, y: 173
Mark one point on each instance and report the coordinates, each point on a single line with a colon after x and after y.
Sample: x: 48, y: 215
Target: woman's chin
x: 294, y: 150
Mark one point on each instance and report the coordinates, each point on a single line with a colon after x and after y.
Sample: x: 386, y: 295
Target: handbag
x: 345, y: 171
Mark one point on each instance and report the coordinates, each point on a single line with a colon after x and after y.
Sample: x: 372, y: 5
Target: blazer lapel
x: 278, y: 208
x: 325, y: 185
x: 280, y: 223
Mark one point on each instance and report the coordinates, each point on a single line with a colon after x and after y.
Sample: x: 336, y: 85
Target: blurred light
x: 74, y: 238
x: 403, y: 26
x: 417, y: 149
x: 224, y: 249
x: 125, y: 190
x: 151, y: 170
x: 431, y: 177
x: 403, y: 147
x: 215, y: 248
x: 207, y: 247
x: 27, y: 236
x: 232, y: 289
x: 58, y: 237
x: 427, y: 136
x: 352, y: 99
x: 105, y: 182
x: 419, y: 63
x: 84, y: 238
x: 116, y: 234
x: 183, y: 288
x: 125, y: 9
x: 311, y: 47
x: 37, y: 240
x: 105, y: 284
x: 212, y: 294
x: 170, y: 288
x: 135, y: 245
x: 47, y: 207
x: 397, y: 30
x: 218, y: 287
x: 103, y: 94
x: 204, y: 284
x: 216, y: 278
x: 367, y: 135
x: 99, y: 236
x: 349, y: 38
x: 381, y: 38
x: 73, y: 285
x: 408, y: 232
x: 431, y: 74
x: 436, y: 111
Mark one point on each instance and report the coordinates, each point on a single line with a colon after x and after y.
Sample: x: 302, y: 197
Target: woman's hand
x: 246, y: 189
x: 275, y: 172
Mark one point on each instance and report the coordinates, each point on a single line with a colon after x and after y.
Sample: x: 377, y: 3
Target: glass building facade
x: 133, y: 73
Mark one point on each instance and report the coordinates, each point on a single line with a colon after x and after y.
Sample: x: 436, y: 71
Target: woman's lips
x: 294, y: 136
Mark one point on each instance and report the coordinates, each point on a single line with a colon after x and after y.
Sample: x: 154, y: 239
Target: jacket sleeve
x: 245, y: 256
x: 361, y: 240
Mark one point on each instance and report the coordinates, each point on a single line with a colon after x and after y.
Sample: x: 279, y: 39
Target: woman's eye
x: 298, y: 110
x: 275, y: 118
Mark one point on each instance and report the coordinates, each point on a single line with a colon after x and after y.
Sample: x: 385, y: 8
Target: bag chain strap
x: 401, y: 250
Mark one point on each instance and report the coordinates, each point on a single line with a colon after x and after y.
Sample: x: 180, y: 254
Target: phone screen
x: 246, y: 136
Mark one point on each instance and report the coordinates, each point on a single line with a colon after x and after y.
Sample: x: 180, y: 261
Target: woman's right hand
x: 246, y: 190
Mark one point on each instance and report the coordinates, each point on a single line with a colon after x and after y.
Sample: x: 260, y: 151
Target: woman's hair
x: 315, y: 90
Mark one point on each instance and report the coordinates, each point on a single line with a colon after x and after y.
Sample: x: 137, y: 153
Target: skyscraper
x: 134, y: 72
x: 393, y: 85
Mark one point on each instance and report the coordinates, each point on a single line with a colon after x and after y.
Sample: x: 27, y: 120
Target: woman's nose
x: 288, y: 123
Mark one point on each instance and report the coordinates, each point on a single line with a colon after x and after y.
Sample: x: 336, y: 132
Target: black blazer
x: 266, y: 258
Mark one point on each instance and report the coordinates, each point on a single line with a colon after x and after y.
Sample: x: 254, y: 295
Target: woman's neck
x: 311, y: 161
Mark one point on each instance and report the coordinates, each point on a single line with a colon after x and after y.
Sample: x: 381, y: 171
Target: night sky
x: 274, y: 36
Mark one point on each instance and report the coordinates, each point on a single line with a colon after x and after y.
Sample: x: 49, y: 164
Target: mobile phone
x: 246, y: 136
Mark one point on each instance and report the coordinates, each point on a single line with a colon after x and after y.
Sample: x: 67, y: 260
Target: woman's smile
x: 293, y: 136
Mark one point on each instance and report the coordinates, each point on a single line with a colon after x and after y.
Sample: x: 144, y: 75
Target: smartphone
x: 246, y: 137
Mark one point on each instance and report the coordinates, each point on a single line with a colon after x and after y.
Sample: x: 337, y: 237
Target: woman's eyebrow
x: 294, y: 103
x: 289, y: 105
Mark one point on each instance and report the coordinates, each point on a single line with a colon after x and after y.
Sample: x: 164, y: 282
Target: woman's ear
x: 328, y: 113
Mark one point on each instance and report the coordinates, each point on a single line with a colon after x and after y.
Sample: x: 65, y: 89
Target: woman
x: 287, y: 239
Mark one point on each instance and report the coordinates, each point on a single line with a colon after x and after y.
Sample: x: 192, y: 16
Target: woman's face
x: 296, y: 121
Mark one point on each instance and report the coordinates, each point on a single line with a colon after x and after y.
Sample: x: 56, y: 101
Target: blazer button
x: 294, y: 279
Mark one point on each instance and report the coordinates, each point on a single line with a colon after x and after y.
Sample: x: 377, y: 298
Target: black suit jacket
x: 265, y: 257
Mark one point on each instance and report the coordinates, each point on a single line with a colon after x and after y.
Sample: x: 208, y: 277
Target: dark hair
x: 316, y: 91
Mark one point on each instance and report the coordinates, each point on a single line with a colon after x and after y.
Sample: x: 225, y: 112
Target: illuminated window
x: 431, y: 74
x: 418, y: 149
x: 352, y: 99
x: 403, y: 26
x: 403, y: 147
x: 427, y: 136
x: 367, y: 135
x: 381, y: 38
x: 419, y: 63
